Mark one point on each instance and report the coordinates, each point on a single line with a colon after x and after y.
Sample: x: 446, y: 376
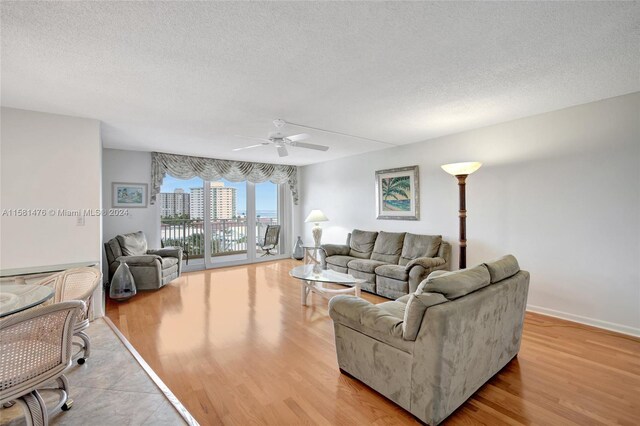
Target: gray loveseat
x: 151, y: 269
x: 391, y: 263
x: 431, y: 350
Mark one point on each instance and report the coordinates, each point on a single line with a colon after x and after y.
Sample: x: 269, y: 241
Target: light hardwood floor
x: 236, y: 347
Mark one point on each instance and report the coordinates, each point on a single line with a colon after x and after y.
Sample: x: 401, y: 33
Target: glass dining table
x: 15, y: 298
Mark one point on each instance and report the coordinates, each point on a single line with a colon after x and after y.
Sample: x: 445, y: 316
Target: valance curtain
x: 187, y: 167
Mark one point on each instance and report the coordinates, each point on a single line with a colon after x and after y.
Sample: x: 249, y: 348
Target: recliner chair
x: 151, y: 269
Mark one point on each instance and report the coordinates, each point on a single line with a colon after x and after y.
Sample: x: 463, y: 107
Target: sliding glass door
x: 222, y: 223
x: 228, y: 224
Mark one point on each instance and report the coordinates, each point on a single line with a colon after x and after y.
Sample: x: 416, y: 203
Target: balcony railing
x: 228, y: 236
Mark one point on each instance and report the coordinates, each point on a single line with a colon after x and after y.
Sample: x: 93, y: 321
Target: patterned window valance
x: 186, y: 167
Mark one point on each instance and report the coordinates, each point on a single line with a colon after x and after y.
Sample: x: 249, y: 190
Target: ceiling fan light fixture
x: 281, y: 141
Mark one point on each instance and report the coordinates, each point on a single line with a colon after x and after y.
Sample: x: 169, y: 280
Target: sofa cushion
x: 417, y: 305
x: 361, y: 243
x: 396, y: 272
x: 133, y: 244
x: 168, y: 262
x: 388, y: 247
x: 341, y: 261
x: 458, y: 283
x: 390, y: 288
x: 368, y: 280
x: 337, y: 268
x: 394, y: 308
x: 365, y: 265
x: 171, y: 270
x: 505, y: 267
x: 419, y: 246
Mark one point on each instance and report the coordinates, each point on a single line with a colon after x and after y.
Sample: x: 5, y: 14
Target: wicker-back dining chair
x: 76, y: 284
x: 36, y: 349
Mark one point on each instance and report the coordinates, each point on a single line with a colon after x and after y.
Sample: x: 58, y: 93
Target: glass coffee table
x: 314, y: 278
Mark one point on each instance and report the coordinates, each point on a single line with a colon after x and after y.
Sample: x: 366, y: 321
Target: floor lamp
x: 461, y: 171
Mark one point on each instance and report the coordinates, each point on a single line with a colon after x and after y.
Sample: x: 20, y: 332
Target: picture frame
x: 398, y: 194
x: 129, y: 195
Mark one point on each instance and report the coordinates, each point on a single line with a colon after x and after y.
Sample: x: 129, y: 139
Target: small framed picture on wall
x: 398, y: 194
x: 130, y: 195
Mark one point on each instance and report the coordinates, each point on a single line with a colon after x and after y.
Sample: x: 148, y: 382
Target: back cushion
x: 388, y: 247
x: 502, y: 268
x: 453, y: 285
x: 114, y: 247
x: 134, y: 244
x: 416, y: 246
x: 362, y: 243
x: 413, y: 313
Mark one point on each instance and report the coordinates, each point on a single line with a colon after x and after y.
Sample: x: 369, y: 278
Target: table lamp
x: 316, y: 216
x: 461, y: 171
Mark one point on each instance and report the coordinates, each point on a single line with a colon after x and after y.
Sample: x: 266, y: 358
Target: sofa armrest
x: 167, y: 252
x: 425, y: 262
x: 145, y: 259
x: 327, y: 250
x: 364, y: 316
x: 335, y: 249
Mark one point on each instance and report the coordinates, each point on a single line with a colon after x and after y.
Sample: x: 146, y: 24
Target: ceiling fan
x: 281, y: 141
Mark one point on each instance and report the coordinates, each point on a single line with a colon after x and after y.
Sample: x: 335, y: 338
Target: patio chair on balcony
x: 151, y: 269
x: 271, y: 237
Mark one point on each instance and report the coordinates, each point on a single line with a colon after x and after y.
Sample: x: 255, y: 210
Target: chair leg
x: 86, y: 349
x: 267, y: 252
x: 35, y: 409
x: 64, y: 402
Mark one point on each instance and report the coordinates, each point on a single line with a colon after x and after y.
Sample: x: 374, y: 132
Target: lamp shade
x: 458, y: 169
x: 316, y: 216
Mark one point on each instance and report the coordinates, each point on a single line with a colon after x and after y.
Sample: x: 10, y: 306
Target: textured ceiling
x: 185, y: 77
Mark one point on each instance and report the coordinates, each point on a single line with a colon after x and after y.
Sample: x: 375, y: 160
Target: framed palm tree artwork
x: 397, y: 194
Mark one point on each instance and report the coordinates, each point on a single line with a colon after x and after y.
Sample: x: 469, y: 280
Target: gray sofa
x: 151, y: 269
x: 431, y: 350
x: 391, y: 263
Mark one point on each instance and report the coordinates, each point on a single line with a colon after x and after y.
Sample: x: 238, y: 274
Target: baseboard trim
x: 618, y: 328
x: 182, y: 410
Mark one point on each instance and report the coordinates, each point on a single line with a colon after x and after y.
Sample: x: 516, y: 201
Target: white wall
x: 559, y: 190
x: 48, y: 162
x: 129, y: 166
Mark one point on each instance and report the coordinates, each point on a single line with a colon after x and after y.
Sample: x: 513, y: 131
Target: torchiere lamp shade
x: 457, y: 169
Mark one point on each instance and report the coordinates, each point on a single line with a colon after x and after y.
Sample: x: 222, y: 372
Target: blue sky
x: 266, y: 193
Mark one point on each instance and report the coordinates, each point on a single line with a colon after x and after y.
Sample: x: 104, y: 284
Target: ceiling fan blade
x: 253, y: 137
x: 247, y: 147
x: 282, y: 151
x: 311, y: 146
x: 296, y: 138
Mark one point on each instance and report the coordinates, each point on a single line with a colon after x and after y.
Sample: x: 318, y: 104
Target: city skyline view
x: 266, y: 193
